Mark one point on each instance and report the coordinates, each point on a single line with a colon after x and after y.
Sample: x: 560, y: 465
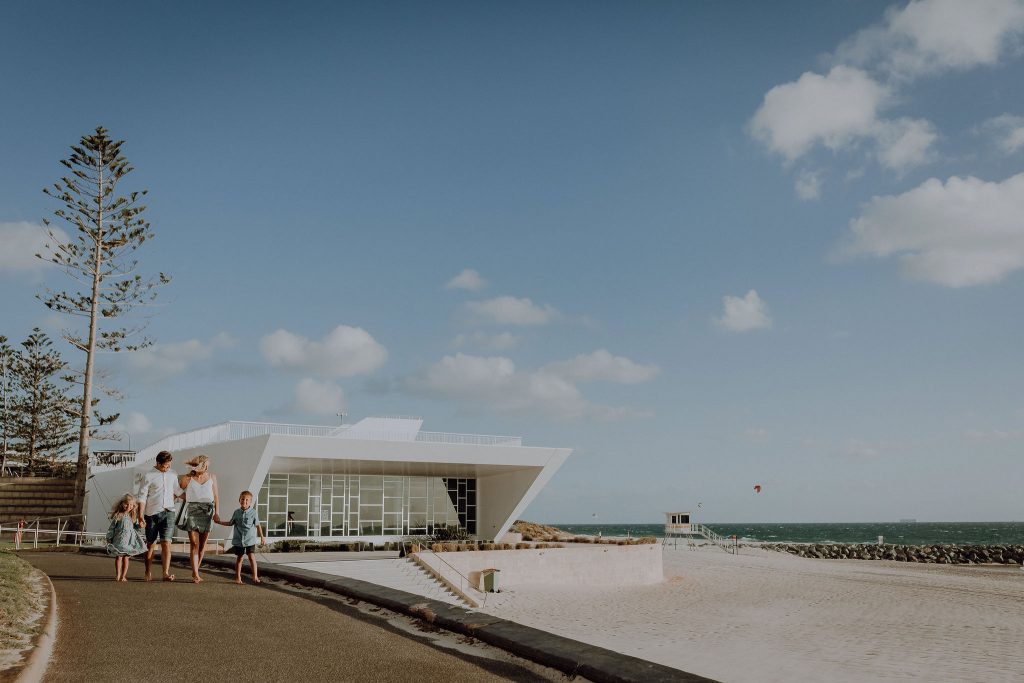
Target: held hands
x: 216, y: 518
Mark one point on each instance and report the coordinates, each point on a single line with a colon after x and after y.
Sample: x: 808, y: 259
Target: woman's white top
x: 199, y: 493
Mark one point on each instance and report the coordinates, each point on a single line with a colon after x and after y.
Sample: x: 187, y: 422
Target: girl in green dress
x: 123, y: 536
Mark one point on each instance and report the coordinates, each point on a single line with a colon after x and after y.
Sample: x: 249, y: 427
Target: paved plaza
x: 221, y: 631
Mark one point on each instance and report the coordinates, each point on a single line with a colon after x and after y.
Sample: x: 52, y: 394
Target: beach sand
x: 768, y: 616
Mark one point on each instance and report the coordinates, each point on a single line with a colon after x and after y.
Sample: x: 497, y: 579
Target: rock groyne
x: 932, y: 554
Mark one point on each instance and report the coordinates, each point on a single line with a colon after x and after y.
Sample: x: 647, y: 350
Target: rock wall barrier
x: 932, y: 554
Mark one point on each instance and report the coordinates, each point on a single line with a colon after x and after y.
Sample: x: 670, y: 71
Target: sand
x: 767, y: 616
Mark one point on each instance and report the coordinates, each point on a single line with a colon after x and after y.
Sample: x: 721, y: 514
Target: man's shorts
x: 160, y: 527
x: 243, y: 550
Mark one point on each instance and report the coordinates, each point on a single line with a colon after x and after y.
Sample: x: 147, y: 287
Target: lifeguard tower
x: 683, y: 525
x: 679, y: 525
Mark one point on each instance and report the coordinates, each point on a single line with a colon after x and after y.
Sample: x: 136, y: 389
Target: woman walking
x: 202, y: 503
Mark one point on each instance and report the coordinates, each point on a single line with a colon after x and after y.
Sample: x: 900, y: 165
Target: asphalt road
x: 217, y: 630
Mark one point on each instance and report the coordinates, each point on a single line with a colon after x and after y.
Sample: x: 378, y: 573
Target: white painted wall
x: 586, y: 565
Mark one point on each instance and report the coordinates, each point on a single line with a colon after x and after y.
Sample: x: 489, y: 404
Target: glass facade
x: 364, y: 504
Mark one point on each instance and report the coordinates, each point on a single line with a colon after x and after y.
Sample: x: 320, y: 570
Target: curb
x: 42, y: 649
x: 569, y: 656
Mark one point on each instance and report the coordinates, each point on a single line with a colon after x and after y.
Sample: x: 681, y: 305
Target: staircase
x: 726, y: 544
x: 400, y: 574
x: 30, y: 498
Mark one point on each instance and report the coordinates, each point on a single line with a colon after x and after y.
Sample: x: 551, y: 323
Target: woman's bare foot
x: 196, y: 579
x: 169, y: 577
x: 256, y: 581
x: 149, y: 576
x: 238, y: 580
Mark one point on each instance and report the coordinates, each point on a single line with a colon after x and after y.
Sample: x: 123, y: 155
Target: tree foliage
x: 106, y: 228
x: 41, y: 413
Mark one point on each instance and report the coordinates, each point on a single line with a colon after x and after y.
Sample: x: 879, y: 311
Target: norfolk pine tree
x: 100, y: 256
x: 41, y: 412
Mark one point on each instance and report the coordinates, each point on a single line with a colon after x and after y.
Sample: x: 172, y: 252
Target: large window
x: 364, y: 505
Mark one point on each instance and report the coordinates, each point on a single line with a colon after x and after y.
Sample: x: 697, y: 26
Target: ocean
x: 905, y: 533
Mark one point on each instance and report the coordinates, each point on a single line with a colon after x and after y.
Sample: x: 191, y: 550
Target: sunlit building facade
x: 380, y: 478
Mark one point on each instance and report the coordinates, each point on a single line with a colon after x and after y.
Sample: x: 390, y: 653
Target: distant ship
x: 909, y: 520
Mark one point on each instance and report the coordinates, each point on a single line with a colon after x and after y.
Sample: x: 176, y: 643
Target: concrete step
x: 393, y: 573
x: 35, y: 495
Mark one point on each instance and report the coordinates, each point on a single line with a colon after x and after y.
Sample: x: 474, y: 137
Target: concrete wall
x: 613, y: 565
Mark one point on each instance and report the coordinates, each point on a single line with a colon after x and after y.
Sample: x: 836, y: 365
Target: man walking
x: 157, y: 491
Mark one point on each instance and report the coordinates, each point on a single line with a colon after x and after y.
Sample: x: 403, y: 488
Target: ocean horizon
x: 904, y: 533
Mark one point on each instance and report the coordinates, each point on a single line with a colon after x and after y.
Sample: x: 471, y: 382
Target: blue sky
x: 707, y: 245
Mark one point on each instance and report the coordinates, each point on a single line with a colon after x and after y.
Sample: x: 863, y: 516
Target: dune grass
x: 20, y: 600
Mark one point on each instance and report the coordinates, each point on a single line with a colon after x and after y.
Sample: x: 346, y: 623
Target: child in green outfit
x: 243, y: 540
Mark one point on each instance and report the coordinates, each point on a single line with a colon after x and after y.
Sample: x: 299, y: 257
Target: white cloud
x: 161, y: 361
x: 319, y: 398
x: 1007, y: 131
x: 904, y: 143
x: 855, y: 448
x: 19, y: 244
x: 834, y: 110
x: 344, y: 352
x: 133, y: 422
x: 467, y: 279
x: 494, y: 383
x: 959, y: 233
x: 508, y: 310
x: 838, y: 111
x: 993, y: 435
x: 602, y: 365
x: 744, y: 314
x: 757, y: 435
x: 491, y: 342
x: 808, y: 186
x: 927, y: 37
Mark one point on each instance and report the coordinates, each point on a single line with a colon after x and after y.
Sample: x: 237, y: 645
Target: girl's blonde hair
x: 197, y: 461
x: 120, y: 508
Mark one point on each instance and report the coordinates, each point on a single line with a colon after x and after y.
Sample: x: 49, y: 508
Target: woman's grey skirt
x: 199, y: 517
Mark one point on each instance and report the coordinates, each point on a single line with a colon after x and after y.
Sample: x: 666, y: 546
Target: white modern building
x: 378, y: 479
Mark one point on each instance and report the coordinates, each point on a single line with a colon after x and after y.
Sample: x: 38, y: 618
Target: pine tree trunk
x: 82, y: 472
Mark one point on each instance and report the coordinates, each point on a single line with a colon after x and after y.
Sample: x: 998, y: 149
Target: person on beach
x: 243, y: 538
x: 155, y: 511
x: 202, y: 504
x: 124, y: 536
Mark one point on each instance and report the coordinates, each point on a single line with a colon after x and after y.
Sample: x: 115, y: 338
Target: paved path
x: 145, y: 631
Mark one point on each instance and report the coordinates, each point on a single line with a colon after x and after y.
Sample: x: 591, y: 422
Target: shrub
x: 449, y: 533
x: 523, y: 546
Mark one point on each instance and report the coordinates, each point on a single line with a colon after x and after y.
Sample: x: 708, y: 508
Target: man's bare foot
x: 169, y: 577
x: 148, y: 576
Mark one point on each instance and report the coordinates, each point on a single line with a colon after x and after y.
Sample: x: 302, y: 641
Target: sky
x: 705, y: 245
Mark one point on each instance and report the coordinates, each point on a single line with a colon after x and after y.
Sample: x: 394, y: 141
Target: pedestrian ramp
x: 400, y: 574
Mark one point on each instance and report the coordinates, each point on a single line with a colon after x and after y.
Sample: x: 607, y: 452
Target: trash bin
x: 489, y: 578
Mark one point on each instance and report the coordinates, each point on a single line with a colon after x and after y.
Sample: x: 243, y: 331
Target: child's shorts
x: 243, y: 550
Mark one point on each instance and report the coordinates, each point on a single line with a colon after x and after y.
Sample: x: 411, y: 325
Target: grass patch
x: 19, y: 601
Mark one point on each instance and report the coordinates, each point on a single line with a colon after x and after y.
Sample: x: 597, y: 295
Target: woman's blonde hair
x: 197, y: 461
x: 120, y: 508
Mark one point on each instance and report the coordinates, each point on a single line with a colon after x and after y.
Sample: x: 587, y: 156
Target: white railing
x: 729, y: 545
x: 247, y: 430
x: 470, y: 439
x: 25, y: 535
x: 460, y: 584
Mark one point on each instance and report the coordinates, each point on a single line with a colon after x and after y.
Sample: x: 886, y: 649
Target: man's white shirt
x: 157, y: 490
